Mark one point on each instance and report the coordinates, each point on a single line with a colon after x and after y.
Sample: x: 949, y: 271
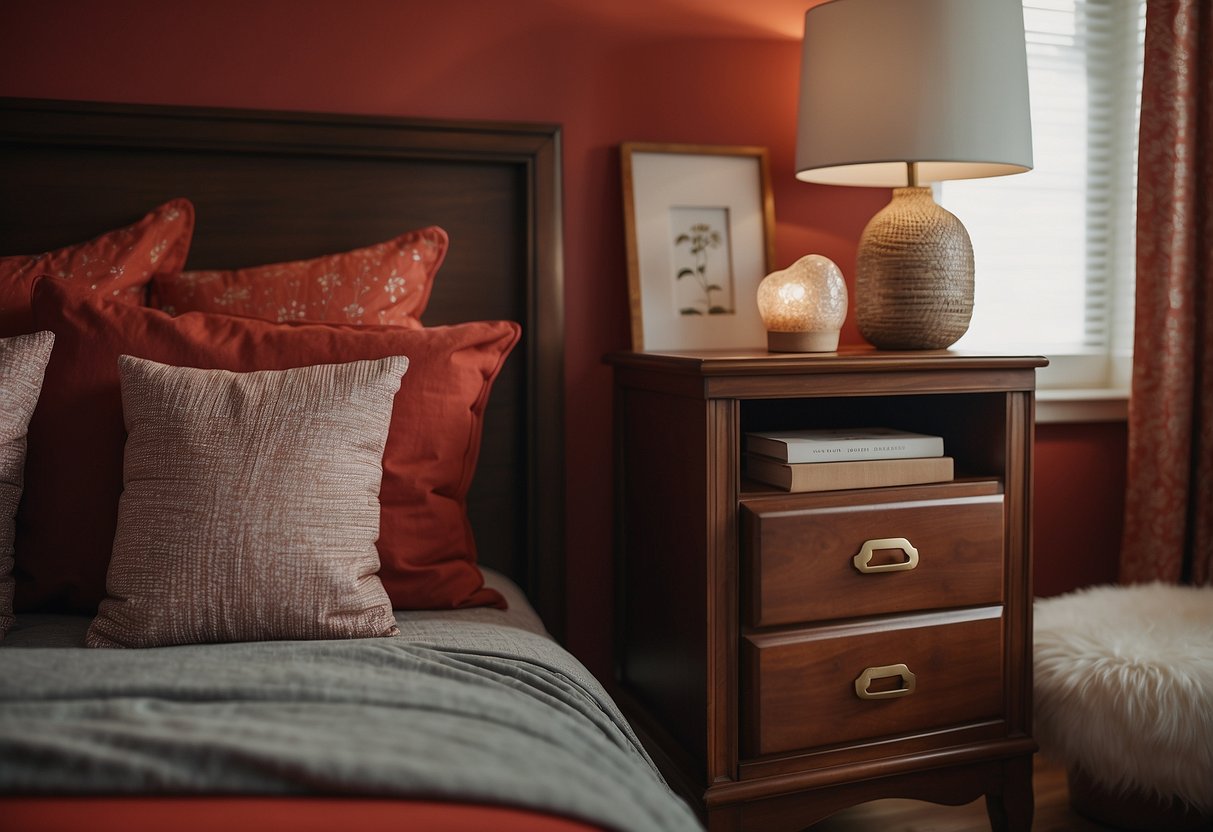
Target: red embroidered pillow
x: 118, y: 264
x: 386, y: 283
x: 66, y: 523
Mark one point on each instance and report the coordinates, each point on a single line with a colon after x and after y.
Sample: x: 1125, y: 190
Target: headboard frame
x: 274, y: 186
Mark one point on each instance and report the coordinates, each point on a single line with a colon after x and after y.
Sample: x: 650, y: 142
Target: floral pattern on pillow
x: 118, y: 264
x: 385, y: 283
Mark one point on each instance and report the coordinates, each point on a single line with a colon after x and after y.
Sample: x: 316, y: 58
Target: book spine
x: 833, y: 476
x: 856, y: 450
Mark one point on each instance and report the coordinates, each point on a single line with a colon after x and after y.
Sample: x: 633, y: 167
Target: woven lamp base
x: 914, y: 275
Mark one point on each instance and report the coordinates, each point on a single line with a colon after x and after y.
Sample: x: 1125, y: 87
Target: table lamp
x: 900, y: 93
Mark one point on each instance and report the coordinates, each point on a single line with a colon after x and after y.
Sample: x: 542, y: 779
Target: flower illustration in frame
x: 702, y: 261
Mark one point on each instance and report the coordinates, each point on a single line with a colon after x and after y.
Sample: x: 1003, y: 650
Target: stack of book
x: 830, y: 460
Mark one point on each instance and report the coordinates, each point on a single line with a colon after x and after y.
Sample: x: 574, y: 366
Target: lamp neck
x: 911, y: 174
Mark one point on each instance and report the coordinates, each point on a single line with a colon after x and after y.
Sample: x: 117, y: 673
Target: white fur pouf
x: 1124, y: 688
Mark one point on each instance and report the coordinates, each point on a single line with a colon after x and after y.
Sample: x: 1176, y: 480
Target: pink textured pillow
x: 250, y: 505
x: 118, y: 264
x: 385, y: 283
x: 22, y: 364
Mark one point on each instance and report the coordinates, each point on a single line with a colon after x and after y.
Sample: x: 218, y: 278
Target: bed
x: 447, y: 702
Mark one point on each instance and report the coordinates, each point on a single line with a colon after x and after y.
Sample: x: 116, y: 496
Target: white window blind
x: 1054, y: 247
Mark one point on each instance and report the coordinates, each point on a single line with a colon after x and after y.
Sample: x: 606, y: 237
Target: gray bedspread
x: 461, y: 708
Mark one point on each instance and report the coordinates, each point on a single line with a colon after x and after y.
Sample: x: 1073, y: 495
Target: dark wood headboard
x: 275, y: 186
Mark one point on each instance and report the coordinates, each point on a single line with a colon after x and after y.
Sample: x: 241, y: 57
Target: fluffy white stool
x: 1124, y: 698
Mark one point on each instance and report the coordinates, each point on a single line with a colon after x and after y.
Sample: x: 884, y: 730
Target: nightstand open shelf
x: 779, y: 675
x: 976, y: 454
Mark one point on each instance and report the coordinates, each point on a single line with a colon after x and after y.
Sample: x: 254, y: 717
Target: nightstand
x: 775, y: 680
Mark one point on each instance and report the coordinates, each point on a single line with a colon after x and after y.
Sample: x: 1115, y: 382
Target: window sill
x: 1082, y: 405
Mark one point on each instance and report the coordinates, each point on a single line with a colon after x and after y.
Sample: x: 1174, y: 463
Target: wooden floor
x: 1053, y: 812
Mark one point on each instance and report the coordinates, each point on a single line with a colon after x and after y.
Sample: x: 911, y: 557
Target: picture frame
x: 699, y: 222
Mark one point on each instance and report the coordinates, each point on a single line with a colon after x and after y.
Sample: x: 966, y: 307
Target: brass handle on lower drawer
x: 863, y: 561
x: 865, y: 680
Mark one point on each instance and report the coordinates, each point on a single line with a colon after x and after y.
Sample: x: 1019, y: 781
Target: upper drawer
x: 800, y: 552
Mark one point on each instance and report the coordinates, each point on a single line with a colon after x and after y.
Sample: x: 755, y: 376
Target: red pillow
x: 118, y: 264
x: 386, y: 283
x: 66, y: 522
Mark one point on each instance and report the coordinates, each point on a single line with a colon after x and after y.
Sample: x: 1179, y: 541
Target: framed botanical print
x: 699, y: 222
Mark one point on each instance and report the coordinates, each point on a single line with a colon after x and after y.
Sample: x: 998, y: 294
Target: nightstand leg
x: 1012, y: 810
x: 725, y: 819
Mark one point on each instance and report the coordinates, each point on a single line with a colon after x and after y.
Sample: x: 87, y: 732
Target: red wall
x: 697, y: 71
x: 1079, y: 505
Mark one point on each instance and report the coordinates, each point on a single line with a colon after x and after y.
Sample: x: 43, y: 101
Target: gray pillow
x: 250, y: 505
x: 22, y: 364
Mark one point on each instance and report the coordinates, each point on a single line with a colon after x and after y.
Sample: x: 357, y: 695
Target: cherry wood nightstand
x: 776, y: 681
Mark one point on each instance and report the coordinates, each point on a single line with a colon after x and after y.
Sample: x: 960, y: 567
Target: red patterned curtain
x: 1169, y: 503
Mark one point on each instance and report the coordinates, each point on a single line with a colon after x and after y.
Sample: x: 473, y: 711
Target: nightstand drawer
x: 810, y: 558
x: 808, y: 689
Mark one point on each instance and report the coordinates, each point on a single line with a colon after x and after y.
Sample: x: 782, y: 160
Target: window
x: 1054, y: 247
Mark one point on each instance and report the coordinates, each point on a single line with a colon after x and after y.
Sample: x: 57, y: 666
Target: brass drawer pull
x: 865, y: 680
x: 863, y: 561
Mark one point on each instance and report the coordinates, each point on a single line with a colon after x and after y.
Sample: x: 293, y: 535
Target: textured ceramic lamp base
x: 914, y: 275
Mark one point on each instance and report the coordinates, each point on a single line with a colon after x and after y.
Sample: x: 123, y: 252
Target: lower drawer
x: 862, y: 680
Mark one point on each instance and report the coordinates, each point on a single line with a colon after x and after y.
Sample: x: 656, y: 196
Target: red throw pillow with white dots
x: 118, y: 264
x: 385, y: 283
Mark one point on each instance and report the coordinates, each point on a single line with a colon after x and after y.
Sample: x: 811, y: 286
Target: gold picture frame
x: 699, y: 222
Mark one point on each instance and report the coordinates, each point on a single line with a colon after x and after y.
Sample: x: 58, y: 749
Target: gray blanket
x: 491, y: 714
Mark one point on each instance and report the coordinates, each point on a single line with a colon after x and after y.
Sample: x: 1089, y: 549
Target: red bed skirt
x: 260, y: 814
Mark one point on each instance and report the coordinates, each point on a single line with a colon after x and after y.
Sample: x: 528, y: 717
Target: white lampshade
x: 894, y: 93
x: 943, y: 83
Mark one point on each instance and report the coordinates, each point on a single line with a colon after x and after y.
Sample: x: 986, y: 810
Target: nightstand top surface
x: 854, y: 358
